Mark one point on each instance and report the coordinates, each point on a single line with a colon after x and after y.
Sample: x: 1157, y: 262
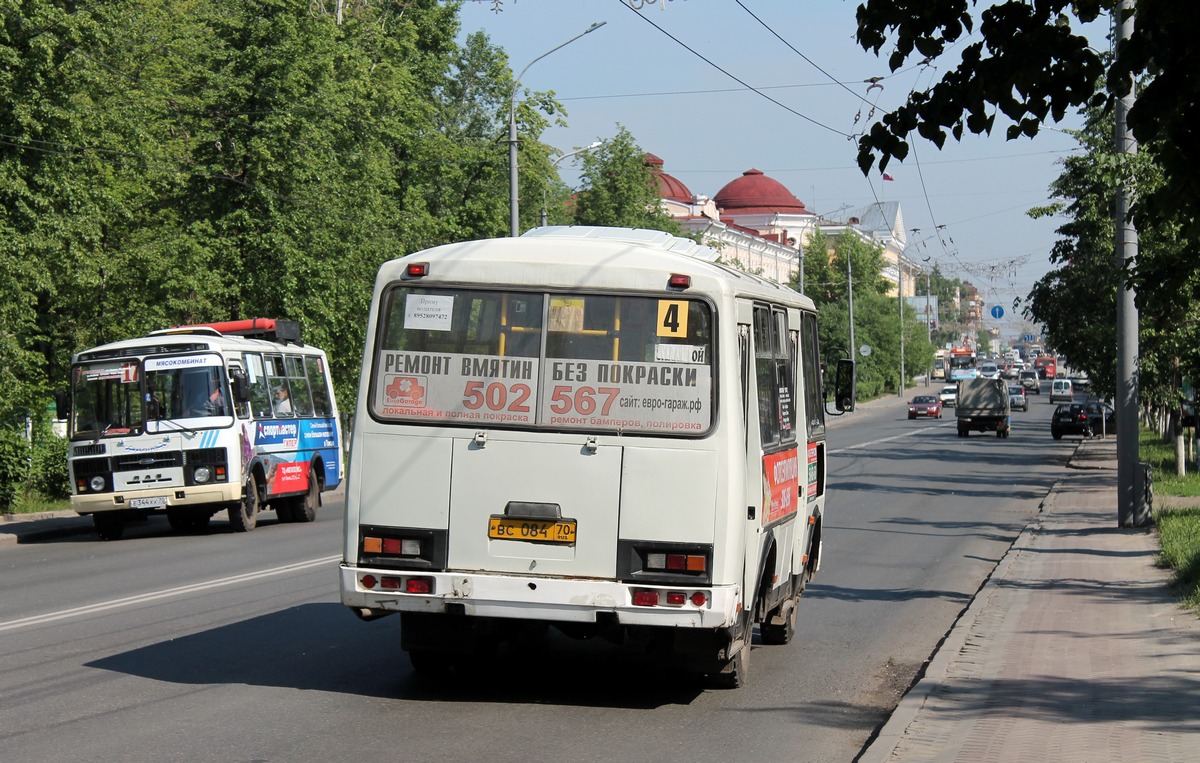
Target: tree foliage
x: 1030, y: 64
x: 620, y: 188
x: 166, y: 162
x: 1076, y: 300
x: 876, y: 314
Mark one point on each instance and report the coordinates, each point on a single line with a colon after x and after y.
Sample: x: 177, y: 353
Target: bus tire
x: 304, y: 508
x: 781, y: 628
x: 243, y: 515
x: 736, y: 673
x: 109, y: 525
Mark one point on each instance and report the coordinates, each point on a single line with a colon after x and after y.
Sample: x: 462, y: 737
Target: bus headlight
x: 202, y: 474
x: 97, y: 483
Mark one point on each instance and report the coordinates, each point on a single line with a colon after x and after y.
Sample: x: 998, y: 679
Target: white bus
x: 237, y: 416
x: 596, y: 428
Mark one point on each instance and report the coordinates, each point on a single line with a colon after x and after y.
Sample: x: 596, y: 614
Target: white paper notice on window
x: 429, y: 312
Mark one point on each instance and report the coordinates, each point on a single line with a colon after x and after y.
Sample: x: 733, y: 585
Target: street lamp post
x: 512, y: 130
x: 554, y: 166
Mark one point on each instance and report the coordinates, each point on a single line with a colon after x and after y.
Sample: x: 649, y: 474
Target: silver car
x: 1016, y: 397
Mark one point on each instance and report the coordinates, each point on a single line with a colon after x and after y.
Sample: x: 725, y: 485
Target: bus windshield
x: 108, y: 396
x: 558, y: 361
x: 106, y: 399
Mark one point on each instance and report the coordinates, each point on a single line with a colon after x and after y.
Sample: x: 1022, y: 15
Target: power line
x: 734, y: 77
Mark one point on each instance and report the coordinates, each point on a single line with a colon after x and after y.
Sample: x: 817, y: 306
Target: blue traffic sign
x: 997, y: 312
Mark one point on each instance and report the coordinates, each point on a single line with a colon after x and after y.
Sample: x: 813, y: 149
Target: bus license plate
x: 148, y: 503
x: 536, y: 530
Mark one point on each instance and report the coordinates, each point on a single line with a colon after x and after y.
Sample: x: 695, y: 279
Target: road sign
x: 997, y: 312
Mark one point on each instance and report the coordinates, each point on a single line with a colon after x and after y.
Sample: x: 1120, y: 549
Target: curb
x: 23, y: 528
x: 880, y: 747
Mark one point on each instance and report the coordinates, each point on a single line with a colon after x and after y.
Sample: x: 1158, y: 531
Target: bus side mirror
x: 239, y: 385
x: 62, y: 404
x: 844, y: 384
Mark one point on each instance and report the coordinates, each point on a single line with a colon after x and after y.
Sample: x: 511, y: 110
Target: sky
x: 718, y: 87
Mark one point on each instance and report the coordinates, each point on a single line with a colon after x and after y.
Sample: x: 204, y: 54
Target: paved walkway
x: 1073, y: 650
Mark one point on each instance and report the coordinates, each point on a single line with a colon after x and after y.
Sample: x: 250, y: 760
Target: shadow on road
x: 323, y: 647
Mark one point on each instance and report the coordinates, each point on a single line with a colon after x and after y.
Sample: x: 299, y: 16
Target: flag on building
x: 888, y: 177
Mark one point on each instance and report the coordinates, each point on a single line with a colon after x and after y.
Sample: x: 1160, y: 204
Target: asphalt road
x: 232, y: 647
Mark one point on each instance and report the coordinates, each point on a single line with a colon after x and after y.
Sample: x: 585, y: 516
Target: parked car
x: 1061, y: 390
x: 949, y: 394
x: 1030, y: 381
x: 1071, y: 419
x: 1016, y: 397
x: 929, y: 406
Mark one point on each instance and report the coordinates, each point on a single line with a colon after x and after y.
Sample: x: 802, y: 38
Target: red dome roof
x: 755, y: 193
x: 669, y: 187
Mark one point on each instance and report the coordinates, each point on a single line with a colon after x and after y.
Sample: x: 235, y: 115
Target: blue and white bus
x: 190, y: 421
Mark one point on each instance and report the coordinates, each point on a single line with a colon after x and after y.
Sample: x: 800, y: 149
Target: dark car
x: 925, y: 405
x: 1071, y: 419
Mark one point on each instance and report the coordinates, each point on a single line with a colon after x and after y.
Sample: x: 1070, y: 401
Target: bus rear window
x: 555, y: 361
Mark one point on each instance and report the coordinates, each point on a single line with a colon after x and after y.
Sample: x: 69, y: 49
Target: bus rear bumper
x: 543, y: 599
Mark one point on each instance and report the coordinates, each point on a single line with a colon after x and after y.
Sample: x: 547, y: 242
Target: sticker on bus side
x: 781, y: 475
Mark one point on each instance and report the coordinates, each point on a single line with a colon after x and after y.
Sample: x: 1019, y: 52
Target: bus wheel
x: 304, y: 509
x: 736, y: 673
x: 780, y: 627
x: 243, y: 515
x: 109, y: 525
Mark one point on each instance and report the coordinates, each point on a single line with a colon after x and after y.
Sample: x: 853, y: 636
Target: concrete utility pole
x: 900, y: 295
x: 850, y: 304
x: 1132, y: 510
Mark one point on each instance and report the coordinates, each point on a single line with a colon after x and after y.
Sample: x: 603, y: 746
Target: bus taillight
x: 679, y: 281
x: 417, y: 270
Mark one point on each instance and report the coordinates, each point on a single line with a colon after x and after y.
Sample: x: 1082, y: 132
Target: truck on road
x: 983, y: 405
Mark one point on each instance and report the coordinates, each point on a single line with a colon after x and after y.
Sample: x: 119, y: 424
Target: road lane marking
x: 167, y: 593
x: 888, y: 439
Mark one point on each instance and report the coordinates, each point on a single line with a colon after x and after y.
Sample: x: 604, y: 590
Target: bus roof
x: 575, y: 257
x: 181, y: 340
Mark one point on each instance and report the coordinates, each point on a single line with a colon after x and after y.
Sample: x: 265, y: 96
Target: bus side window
x: 260, y: 389
x: 302, y: 403
x: 764, y: 374
x: 276, y: 379
x: 316, y: 380
x: 810, y: 363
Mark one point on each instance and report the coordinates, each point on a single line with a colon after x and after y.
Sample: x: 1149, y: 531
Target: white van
x: 1061, y: 390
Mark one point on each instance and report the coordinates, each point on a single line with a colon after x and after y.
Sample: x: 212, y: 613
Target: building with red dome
x: 760, y: 226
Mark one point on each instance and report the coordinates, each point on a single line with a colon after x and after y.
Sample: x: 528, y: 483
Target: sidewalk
x: 1073, y: 650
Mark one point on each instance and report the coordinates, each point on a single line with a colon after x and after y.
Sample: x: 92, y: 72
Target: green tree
x: 1031, y: 64
x: 619, y: 188
x: 876, y: 314
x: 1076, y: 300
